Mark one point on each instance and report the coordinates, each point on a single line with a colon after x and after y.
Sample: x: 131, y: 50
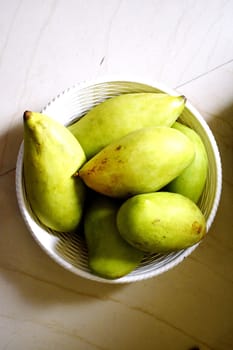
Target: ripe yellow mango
x: 142, y: 161
x: 119, y: 115
x: 109, y: 255
x: 51, y: 156
x: 192, y: 180
x: 160, y: 222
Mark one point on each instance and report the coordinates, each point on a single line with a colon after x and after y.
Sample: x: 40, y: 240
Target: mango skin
x: 192, y: 180
x: 160, y: 222
x: 51, y: 156
x: 109, y: 255
x: 119, y: 115
x: 142, y: 161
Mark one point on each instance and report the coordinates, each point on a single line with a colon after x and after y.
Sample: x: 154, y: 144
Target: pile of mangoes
x: 127, y: 170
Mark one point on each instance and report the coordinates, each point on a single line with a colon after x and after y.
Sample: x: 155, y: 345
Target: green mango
x: 160, y: 222
x: 192, y: 180
x: 119, y: 115
x: 109, y: 255
x: 51, y: 156
x: 142, y: 161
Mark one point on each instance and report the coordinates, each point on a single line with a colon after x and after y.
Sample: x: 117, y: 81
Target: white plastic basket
x: 69, y: 250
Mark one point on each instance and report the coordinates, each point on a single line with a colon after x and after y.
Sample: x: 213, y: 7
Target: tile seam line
x: 174, y: 327
x: 7, y: 171
x: 50, y: 283
x: 55, y: 329
x: 131, y: 307
x: 204, y: 74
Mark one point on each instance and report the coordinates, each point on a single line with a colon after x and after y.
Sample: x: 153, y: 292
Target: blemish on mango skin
x: 92, y: 170
x: 196, y: 227
x: 118, y: 148
x: 156, y: 221
x: 97, y: 168
x: 104, y: 161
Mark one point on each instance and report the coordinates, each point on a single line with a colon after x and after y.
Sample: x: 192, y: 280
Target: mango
x: 160, y: 222
x: 120, y: 115
x: 143, y: 161
x: 51, y: 157
x: 192, y: 180
x: 109, y: 255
